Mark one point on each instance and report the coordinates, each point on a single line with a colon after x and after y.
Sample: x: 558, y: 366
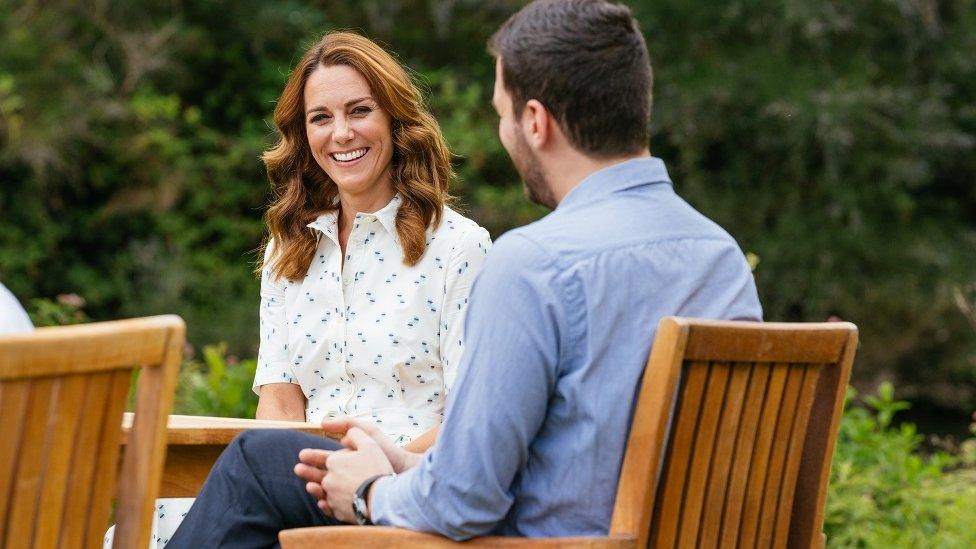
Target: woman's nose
x: 343, y: 131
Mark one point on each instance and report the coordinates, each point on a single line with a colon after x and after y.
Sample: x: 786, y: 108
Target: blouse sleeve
x: 465, y: 263
x: 273, y: 365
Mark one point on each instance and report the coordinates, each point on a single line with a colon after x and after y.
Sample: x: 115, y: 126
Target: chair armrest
x: 382, y: 537
x: 193, y: 444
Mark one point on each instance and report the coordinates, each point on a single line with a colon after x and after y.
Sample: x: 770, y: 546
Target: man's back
x: 627, y: 251
x: 559, y: 327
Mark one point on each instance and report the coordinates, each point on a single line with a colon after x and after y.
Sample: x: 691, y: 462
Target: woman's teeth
x: 349, y: 156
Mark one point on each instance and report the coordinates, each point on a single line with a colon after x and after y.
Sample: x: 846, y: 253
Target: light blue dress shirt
x: 559, y: 326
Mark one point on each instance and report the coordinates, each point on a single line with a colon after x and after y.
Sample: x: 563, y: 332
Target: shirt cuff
x: 391, y: 496
x: 272, y: 372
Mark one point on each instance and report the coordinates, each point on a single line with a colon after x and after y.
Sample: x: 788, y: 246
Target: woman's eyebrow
x: 354, y: 101
x: 348, y: 104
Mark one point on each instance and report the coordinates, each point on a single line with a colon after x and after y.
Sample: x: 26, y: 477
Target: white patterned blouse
x: 372, y: 337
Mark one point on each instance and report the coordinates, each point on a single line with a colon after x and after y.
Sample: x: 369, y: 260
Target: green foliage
x: 885, y: 491
x: 66, y: 309
x: 217, y: 386
x: 835, y: 140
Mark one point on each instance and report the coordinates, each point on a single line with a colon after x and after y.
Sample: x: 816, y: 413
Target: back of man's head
x: 587, y: 62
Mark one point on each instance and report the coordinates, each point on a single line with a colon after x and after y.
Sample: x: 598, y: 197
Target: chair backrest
x: 62, y: 394
x: 733, y: 434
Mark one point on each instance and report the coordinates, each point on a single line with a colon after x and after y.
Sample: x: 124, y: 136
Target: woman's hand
x: 398, y: 457
x: 281, y: 401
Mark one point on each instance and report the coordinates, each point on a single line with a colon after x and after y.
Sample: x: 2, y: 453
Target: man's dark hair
x: 587, y: 62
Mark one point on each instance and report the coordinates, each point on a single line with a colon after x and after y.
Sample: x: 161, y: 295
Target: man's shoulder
x: 638, y: 220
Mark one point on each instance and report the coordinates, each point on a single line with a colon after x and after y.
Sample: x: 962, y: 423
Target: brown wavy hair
x: 302, y: 191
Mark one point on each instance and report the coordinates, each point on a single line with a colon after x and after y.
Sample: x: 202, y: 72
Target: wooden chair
x: 730, y: 445
x: 62, y: 394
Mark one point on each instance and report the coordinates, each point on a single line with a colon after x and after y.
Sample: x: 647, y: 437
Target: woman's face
x: 351, y: 137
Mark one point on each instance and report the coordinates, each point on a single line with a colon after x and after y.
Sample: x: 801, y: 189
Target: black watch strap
x: 359, y: 502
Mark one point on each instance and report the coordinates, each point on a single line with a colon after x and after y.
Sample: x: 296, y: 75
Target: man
x: 13, y: 318
x: 559, y: 325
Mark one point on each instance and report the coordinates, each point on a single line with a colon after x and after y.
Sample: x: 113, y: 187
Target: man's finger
x: 314, y: 457
x: 323, y: 506
x: 315, y: 490
x: 311, y: 474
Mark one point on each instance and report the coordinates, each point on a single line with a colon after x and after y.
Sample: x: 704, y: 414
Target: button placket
x: 350, y: 276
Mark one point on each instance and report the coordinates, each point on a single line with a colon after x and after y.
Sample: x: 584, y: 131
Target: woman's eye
x: 362, y: 110
x: 318, y: 118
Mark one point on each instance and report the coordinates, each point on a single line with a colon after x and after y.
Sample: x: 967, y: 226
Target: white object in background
x: 13, y: 318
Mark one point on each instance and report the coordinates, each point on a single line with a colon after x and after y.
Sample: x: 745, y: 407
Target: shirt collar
x: 328, y: 223
x: 625, y: 175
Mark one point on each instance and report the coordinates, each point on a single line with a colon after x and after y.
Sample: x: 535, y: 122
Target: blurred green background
x: 835, y: 140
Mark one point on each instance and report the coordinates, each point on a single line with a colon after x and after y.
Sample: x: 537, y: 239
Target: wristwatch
x: 359, y: 506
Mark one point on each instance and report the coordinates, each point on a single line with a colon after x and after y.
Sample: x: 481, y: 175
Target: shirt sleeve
x: 463, y: 486
x: 273, y: 365
x: 465, y: 264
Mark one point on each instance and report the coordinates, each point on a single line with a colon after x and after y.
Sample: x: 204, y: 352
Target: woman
x: 366, y: 273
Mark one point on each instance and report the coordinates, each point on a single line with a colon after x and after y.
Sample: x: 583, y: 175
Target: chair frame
x: 42, y: 509
x: 680, y: 343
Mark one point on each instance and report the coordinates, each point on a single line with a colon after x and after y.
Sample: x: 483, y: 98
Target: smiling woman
x: 343, y: 84
x: 366, y: 271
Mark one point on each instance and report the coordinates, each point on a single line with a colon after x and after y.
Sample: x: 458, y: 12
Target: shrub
x: 217, y: 386
x: 887, y: 491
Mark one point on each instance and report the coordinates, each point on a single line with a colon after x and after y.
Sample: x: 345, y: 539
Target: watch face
x: 359, y: 509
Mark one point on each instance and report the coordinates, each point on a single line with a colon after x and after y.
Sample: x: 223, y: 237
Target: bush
x: 833, y: 139
x: 217, y: 386
x: 886, y: 491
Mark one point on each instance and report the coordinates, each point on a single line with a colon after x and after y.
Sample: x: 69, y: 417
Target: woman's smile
x: 349, y: 157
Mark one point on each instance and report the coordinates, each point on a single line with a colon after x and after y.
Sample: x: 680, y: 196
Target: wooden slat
x: 724, y: 448
x: 142, y: 463
x: 794, y: 452
x: 775, y: 471
x: 65, y: 413
x: 743, y: 453
x: 84, y: 456
x: 13, y: 408
x: 84, y: 348
x: 104, y: 480
x: 665, y: 528
x: 645, y: 451
x: 777, y: 342
x: 749, y: 525
x: 381, y: 537
x: 806, y: 528
x: 702, y: 455
x: 30, y: 470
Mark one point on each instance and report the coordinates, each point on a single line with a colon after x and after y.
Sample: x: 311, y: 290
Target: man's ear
x: 536, y: 124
